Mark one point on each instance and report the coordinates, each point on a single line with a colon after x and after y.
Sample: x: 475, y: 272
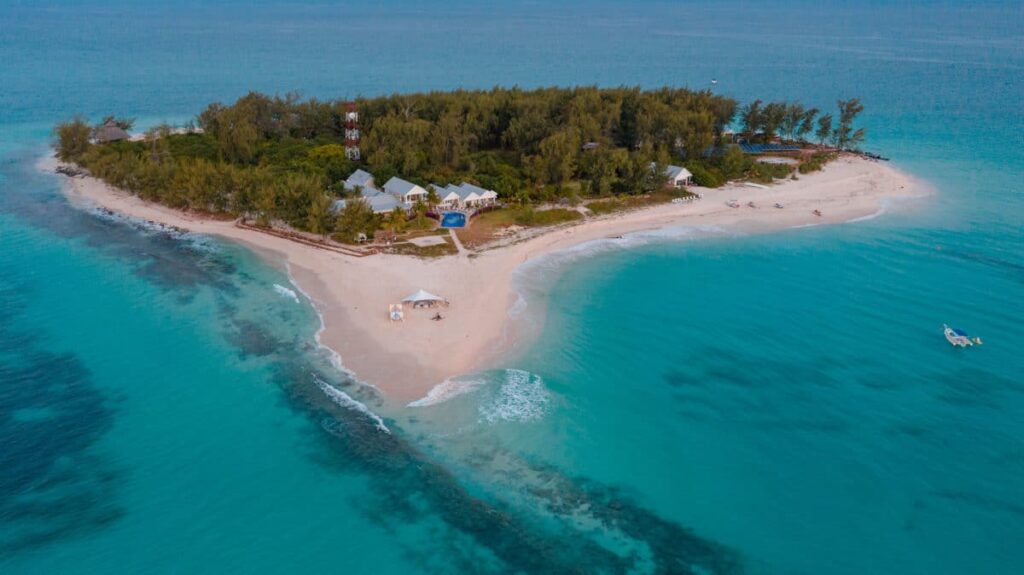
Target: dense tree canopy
x: 276, y: 158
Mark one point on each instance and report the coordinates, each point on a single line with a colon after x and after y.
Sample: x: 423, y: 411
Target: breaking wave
x: 446, y: 390
x: 285, y: 292
x: 521, y: 397
x: 332, y: 356
x: 344, y: 400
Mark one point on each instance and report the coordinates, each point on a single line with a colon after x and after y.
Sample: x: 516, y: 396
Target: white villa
x: 360, y: 179
x: 401, y: 193
x: 465, y: 196
x: 677, y: 176
x: 380, y: 202
x: 409, y: 192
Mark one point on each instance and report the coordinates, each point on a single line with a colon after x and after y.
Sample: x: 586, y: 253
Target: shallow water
x: 703, y: 401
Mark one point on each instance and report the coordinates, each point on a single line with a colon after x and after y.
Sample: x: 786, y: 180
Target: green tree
x: 844, y: 135
x: 600, y: 167
x: 355, y: 218
x: 318, y: 221
x: 236, y: 135
x: 266, y: 203
x: 71, y: 139
x: 752, y: 118
x: 824, y: 131
x: 432, y: 198
x: 806, y: 124
x: 791, y: 123
x: 330, y: 160
x: 704, y: 177
x: 420, y: 210
x: 772, y: 118
x: 734, y: 163
x: 398, y: 220
x: 558, y: 156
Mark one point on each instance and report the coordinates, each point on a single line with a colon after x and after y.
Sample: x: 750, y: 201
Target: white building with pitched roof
x: 476, y: 197
x: 361, y: 180
x: 447, y: 197
x: 401, y: 193
x: 379, y: 203
x: 409, y: 192
x: 677, y: 176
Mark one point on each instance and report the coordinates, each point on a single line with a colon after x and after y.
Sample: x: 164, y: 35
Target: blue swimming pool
x: 453, y: 220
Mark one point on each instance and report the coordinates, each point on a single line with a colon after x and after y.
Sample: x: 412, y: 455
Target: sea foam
x: 285, y: 292
x: 521, y: 397
x: 446, y: 390
x: 345, y: 400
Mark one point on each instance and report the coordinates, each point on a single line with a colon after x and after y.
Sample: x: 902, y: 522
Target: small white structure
x: 448, y: 196
x: 423, y: 298
x: 678, y: 176
x: 465, y: 196
x: 409, y: 192
x: 475, y: 196
x: 401, y: 193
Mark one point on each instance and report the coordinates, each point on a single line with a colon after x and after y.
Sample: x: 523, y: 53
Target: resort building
x: 409, y: 192
x: 677, y: 176
x: 476, y: 197
x: 380, y: 203
x: 384, y: 203
x: 401, y: 193
x: 448, y: 196
x: 110, y: 132
x: 362, y: 180
x: 465, y: 196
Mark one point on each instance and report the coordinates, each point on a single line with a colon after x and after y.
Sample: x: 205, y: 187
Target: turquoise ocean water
x: 702, y: 402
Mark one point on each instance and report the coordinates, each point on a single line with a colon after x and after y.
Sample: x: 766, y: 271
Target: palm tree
x: 432, y: 198
x: 420, y: 209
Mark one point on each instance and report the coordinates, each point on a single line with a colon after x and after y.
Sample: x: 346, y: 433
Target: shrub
x: 704, y: 177
x: 815, y: 162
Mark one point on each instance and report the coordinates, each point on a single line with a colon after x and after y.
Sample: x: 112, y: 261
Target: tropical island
x: 323, y: 185
x: 286, y: 162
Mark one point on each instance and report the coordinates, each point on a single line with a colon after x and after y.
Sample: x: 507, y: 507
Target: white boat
x: 958, y: 337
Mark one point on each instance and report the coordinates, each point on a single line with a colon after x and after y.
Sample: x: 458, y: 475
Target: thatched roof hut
x: 110, y: 132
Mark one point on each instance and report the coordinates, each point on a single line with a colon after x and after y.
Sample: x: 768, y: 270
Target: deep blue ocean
x: 702, y: 402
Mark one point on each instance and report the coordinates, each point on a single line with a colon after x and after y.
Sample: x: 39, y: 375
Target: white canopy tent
x: 424, y: 298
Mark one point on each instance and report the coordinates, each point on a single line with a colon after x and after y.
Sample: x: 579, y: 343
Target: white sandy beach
x: 405, y: 360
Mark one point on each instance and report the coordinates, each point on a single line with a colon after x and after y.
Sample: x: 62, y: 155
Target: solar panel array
x: 764, y: 148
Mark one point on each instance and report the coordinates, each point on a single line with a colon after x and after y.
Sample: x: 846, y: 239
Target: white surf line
x: 446, y: 390
x: 335, y: 358
x: 345, y: 400
x: 285, y: 292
